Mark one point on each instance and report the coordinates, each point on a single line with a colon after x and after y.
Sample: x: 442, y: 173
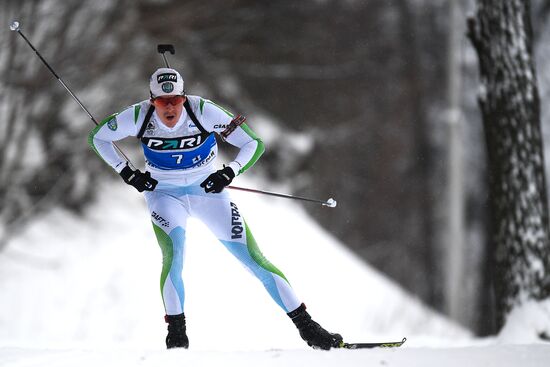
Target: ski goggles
x: 165, y: 101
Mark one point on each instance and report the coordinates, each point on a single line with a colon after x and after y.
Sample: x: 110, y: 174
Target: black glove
x: 218, y: 180
x: 141, y: 181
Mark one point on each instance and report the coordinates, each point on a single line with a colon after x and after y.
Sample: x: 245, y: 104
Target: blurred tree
x: 43, y: 150
x: 502, y: 36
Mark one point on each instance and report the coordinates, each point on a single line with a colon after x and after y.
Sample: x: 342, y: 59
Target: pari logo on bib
x: 166, y: 82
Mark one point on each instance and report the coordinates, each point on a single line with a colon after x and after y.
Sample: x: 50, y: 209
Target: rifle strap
x: 146, y: 121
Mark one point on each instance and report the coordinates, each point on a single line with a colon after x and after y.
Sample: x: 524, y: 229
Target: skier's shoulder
x: 127, y: 119
x: 196, y: 103
x: 136, y: 112
x: 202, y: 106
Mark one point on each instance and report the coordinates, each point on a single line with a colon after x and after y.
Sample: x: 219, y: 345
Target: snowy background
x: 85, y: 291
x: 96, y: 280
x: 79, y: 264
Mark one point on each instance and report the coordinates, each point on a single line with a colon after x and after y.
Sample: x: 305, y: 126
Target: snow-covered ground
x: 85, y: 292
x: 489, y: 356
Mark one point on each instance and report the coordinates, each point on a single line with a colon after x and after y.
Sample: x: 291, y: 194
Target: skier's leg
x: 222, y: 216
x: 169, y: 218
x: 224, y: 219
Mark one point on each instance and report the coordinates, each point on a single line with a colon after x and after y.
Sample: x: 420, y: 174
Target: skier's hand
x: 141, y: 181
x: 218, y: 180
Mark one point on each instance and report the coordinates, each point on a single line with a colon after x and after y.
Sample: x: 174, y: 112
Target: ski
x: 373, y: 345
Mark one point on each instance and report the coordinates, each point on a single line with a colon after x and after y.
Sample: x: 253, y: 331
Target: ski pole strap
x: 145, y: 122
x: 237, y: 121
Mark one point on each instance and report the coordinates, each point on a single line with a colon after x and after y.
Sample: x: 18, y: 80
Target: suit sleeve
x: 216, y: 118
x: 115, y: 127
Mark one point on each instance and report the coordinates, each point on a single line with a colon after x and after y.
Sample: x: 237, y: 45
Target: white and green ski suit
x: 180, y: 158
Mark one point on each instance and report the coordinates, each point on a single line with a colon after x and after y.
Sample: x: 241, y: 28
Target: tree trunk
x: 508, y: 97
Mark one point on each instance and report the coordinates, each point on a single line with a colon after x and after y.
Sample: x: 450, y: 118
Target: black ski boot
x: 176, y: 338
x: 315, y: 336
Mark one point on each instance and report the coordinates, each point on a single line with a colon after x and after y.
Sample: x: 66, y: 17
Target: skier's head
x: 166, y: 82
x: 167, y: 95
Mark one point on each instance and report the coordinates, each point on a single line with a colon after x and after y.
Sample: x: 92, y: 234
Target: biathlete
x: 177, y: 136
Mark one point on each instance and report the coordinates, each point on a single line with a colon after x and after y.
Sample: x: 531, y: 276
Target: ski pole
x: 331, y: 203
x: 14, y: 26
